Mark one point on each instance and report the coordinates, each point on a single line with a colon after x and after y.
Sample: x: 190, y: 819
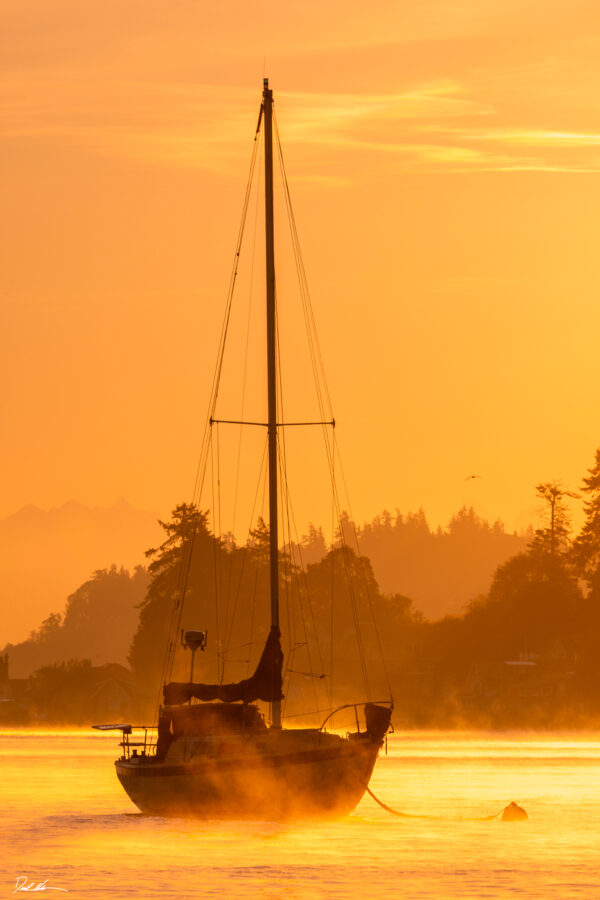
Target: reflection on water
x: 66, y: 819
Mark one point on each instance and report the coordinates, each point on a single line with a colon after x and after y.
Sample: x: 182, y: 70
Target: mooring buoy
x: 514, y: 813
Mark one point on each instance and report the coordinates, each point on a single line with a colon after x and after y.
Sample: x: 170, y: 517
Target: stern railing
x: 355, y: 707
x: 134, y: 747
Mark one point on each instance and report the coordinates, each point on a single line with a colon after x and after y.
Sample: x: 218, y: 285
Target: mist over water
x: 66, y: 819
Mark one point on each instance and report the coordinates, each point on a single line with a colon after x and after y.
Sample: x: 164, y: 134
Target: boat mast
x: 271, y: 374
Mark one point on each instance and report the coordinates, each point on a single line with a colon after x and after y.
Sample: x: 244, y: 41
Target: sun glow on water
x: 68, y: 820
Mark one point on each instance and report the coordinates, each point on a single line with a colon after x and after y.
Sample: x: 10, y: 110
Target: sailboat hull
x: 323, y: 781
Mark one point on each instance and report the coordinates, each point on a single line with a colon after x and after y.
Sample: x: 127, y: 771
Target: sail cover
x: 266, y: 683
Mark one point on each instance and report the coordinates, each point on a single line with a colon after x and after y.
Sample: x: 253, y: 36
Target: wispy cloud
x: 441, y: 100
x: 524, y: 149
x: 529, y: 137
x: 188, y: 124
x: 199, y: 125
x: 460, y: 130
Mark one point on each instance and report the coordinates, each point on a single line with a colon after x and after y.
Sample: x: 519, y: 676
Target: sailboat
x: 215, y: 756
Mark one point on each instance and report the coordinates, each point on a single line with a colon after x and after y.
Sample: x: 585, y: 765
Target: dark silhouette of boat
x: 217, y: 758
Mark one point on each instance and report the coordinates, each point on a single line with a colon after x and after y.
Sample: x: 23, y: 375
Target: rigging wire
x: 261, y: 481
x: 290, y: 521
x: 195, y: 522
x: 285, y: 503
x: 322, y: 391
x: 189, y: 535
x: 363, y: 573
x: 246, y: 349
x: 306, y: 642
x: 332, y: 595
x: 214, y: 543
x: 312, y: 335
x: 228, y: 598
x: 256, y: 564
x: 245, y: 372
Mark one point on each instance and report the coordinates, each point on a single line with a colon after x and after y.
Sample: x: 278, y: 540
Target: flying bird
x: 472, y: 476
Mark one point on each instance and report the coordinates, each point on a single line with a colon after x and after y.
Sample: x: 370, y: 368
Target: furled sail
x: 266, y: 683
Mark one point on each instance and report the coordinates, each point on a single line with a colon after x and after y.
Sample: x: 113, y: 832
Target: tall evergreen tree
x: 586, y: 546
x: 226, y: 594
x: 552, y: 540
x: 186, y: 559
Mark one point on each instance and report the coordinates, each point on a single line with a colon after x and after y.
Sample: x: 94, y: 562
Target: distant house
x: 517, y: 687
x: 88, y: 695
x: 113, y: 694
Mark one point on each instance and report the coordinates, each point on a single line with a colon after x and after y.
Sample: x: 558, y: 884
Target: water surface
x: 66, y: 819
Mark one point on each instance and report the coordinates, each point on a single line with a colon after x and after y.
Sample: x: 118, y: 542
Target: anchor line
x: 404, y: 815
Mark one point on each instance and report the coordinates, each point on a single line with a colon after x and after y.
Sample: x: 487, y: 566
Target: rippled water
x: 66, y: 819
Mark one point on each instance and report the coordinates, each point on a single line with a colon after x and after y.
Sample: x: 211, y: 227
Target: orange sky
x: 444, y: 161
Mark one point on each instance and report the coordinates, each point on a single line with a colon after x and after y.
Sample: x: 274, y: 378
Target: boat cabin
x: 207, y: 721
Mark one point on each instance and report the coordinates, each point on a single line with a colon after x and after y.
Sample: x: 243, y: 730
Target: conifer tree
x: 186, y: 556
x: 552, y: 540
x: 585, y: 552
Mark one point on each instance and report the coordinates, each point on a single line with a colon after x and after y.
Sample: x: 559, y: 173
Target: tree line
x: 522, y: 653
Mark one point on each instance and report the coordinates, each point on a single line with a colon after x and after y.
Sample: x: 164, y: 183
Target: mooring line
x: 510, y: 813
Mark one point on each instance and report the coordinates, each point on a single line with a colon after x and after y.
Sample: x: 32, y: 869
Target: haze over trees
x: 98, y: 624
x: 329, y: 609
x: 526, y: 652
x: 441, y: 570
x: 408, y: 559
x: 44, y: 555
x: 522, y: 653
